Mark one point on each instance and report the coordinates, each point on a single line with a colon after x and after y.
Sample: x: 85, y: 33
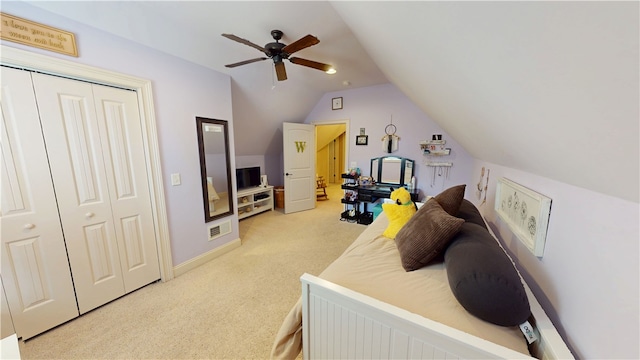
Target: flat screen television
x: 248, y: 177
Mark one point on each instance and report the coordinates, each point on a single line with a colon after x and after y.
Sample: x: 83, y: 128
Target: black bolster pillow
x: 470, y: 213
x: 483, y: 278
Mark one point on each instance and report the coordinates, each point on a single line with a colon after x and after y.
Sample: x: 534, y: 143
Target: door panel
x: 133, y: 243
x: 72, y: 136
x: 35, y: 268
x: 74, y: 120
x: 299, y: 165
x: 112, y: 113
x: 123, y: 150
x: 98, y: 250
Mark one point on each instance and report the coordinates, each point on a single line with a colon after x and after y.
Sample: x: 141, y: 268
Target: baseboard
x: 206, y: 257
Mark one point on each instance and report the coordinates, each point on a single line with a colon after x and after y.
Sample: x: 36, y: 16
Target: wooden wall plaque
x: 26, y: 32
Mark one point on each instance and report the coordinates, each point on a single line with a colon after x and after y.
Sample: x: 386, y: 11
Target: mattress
x: 371, y: 265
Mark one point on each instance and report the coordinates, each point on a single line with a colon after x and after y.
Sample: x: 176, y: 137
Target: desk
x: 367, y: 194
x: 375, y: 192
x: 356, y: 194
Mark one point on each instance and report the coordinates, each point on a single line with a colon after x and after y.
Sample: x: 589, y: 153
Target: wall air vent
x: 218, y: 230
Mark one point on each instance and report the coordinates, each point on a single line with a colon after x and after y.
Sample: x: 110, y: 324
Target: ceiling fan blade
x: 300, y: 44
x: 243, y: 41
x: 311, y: 64
x: 245, y: 62
x: 281, y: 72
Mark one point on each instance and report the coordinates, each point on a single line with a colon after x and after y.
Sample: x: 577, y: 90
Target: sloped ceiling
x: 325, y: 134
x: 192, y: 30
x: 550, y: 88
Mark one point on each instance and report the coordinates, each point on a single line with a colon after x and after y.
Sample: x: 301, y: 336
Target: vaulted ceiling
x: 550, y: 88
x: 192, y: 30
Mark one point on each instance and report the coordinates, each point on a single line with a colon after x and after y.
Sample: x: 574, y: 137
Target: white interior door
x: 35, y: 268
x: 299, y: 149
x: 71, y: 133
x: 121, y: 135
x: 96, y: 153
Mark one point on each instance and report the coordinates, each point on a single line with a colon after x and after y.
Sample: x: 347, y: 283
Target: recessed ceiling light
x: 346, y: 83
x: 331, y: 71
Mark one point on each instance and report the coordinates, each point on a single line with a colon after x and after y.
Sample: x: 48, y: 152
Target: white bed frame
x: 339, y: 323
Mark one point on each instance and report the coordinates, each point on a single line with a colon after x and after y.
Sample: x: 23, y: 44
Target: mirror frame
x: 404, y: 165
x: 200, y: 122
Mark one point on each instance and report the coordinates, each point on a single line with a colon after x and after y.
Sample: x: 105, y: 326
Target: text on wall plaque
x: 30, y: 33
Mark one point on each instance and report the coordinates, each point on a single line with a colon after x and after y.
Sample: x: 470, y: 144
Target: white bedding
x: 371, y: 266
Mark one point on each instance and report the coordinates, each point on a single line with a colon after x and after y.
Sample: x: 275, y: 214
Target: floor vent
x: 218, y: 230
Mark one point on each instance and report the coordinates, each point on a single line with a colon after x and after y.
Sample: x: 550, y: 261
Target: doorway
x: 331, y: 141
x: 331, y: 155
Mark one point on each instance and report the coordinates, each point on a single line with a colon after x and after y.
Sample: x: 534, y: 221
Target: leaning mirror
x: 213, y: 143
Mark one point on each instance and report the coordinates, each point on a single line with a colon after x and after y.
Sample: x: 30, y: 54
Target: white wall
x: 274, y: 165
x: 251, y: 161
x: 588, y: 279
x: 372, y: 108
x: 182, y: 91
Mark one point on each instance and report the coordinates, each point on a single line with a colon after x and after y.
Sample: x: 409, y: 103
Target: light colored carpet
x: 231, y: 307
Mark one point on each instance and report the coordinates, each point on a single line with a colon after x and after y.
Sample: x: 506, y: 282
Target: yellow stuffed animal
x: 399, y: 212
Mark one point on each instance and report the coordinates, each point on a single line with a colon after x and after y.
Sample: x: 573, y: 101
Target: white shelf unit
x: 434, y: 147
x: 254, y: 201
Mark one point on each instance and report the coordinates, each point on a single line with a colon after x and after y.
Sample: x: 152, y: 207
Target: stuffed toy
x: 399, y: 212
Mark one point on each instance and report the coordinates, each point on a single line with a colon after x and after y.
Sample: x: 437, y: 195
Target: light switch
x: 175, y: 179
x: 354, y: 164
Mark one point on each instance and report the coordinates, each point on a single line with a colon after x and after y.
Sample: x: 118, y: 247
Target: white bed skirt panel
x: 339, y: 323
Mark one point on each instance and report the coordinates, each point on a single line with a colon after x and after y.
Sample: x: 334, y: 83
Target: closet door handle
x: 29, y: 226
x: 89, y: 215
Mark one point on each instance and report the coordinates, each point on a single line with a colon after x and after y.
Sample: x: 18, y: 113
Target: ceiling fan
x: 278, y: 52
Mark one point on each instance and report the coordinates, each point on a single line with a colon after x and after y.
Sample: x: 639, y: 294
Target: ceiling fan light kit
x: 278, y: 52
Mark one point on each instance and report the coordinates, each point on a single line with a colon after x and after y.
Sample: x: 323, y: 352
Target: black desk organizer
x: 351, y: 211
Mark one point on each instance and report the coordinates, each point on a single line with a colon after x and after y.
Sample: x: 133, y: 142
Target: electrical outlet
x: 354, y: 164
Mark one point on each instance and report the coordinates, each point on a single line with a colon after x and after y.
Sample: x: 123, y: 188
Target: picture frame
x: 362, y: 139
x: 336, y: 103
x: 526, y: 213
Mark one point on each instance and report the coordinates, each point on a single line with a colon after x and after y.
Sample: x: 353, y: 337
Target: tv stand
x: 253, y: 201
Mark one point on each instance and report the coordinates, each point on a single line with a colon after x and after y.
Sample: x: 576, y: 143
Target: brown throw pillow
x: 425, y: 235
x: 451, y: 199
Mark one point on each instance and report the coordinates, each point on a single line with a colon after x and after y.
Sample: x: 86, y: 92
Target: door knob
x: 29, y: 226
x: 287, y: 174
x: 89, y: 215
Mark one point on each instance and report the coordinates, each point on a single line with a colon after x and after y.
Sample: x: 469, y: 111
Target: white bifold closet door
x: 35, y: 269
x: 76, y: 219
x: 96, y: 155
